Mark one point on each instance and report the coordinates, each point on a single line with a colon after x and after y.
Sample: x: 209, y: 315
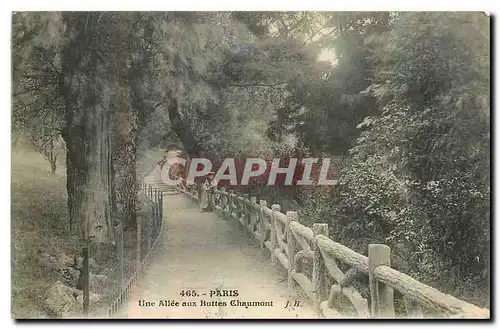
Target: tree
x: 90, y: 90
x: 330, y: 96
x: 37, y: 104
x: 402, y: 107
x: 418, y: 176
x: 50, y: 149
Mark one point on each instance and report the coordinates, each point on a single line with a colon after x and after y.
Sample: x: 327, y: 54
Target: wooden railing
x: 292, y: 245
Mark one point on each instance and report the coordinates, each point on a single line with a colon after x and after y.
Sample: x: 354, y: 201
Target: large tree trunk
x: 89, y: 174
x: 87, y: 90
x: 125, y: 166
x: 89, y: 185
x: 126, y: 144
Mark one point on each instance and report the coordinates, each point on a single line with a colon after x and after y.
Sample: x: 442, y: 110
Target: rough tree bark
x: 89, y: 174
x: 87, y: 131
x: 126, y: 144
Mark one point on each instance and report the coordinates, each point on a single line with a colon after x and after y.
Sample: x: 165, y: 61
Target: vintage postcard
x: 250, y: 165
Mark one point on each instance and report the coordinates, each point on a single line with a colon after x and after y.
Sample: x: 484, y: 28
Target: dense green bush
x: 418, y: 177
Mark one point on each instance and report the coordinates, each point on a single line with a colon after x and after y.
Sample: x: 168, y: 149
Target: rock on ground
x: 79, y: 263
x: 69, y: 276
x: 65, y: 260
x: 61, y: 299
x: 98, y: 282
x: 64, y: 301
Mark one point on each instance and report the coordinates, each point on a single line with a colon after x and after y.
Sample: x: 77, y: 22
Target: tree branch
x: 258, y: 84
x: 310, y: 39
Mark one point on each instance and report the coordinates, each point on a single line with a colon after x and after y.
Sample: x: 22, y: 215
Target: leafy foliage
x: 418, y: 177
x: 402, y: 104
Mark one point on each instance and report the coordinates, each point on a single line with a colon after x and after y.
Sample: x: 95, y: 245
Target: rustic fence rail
x: 146, y: 243
x: 292, y: 244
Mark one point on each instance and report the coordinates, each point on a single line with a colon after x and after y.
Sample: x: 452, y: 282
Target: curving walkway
x: 203, y: 252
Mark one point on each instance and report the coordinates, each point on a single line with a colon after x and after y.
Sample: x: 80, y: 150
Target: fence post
x: 161, y: 206
x: 155, y: 220
x: 382, y: 296
x: 252, y: 213
x: 211, y: 198
x: 319, y: 269
x: 153, y: 224
x: 157, y: 205
x: 245, y: 212
x: 263, y: 204
x: 85, y: 281
x: 223, y: 201
x: 150, y: 227
x: 158, y: 213
x: 153, y: 210
x: 139, y: 233
x: 413, y: 309
x: 274, y: 242
x: 215, y: 198
x: 231, y: 203
x: 291, y: 245
x: 234, y: 204
x: 119, y: 229
x: 237, y: 207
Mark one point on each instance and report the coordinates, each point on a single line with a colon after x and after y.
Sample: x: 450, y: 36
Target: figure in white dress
x: 207, y: 192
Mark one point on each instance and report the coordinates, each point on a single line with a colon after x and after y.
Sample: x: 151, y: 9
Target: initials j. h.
x: 295, y: 304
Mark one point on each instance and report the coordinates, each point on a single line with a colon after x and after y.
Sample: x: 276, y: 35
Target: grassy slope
x: 38, y: 225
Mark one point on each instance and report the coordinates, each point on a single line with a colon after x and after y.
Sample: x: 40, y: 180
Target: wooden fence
x: 291, y: 244
x: 149, y: 245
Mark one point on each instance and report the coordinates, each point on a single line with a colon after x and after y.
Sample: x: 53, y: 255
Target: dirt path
x: 202, y: 252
